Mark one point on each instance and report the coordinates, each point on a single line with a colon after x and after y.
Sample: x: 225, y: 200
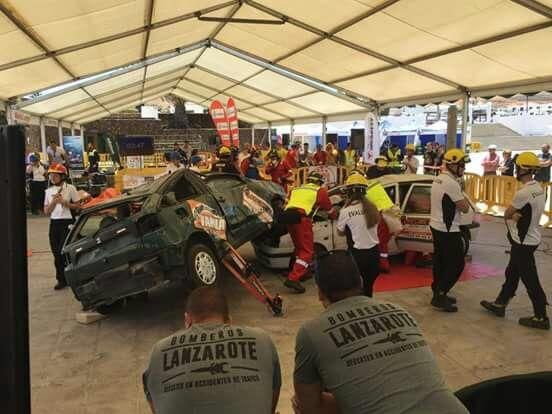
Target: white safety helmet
x: 492, y: 147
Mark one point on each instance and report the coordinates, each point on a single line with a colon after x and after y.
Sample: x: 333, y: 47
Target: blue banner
x: 74, y: 147
x: 135, y: 145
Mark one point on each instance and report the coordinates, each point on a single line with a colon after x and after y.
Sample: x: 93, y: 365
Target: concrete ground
x: 97, y: 368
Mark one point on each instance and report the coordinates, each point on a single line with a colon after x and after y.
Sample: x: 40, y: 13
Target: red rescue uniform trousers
x: 303, y: 241
x: 384, y: 236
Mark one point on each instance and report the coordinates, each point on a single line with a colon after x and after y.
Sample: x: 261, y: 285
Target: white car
x: 411, y: 193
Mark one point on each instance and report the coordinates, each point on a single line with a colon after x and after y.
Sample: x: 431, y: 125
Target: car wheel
x: 466, y: 240
x: 203, y: 265
x: 111, y: 308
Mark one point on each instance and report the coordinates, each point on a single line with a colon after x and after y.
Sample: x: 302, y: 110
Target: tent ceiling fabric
x: 342, y: 56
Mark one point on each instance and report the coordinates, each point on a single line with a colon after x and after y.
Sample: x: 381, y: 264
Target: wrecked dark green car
x: 174, y: 228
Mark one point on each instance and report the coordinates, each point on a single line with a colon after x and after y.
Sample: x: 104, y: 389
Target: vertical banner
x: 74, y: 147
x: 232, y: 114
x: 371, y: 138
x: 218, y: 114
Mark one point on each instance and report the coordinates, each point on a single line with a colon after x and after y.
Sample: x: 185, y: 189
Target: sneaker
x: 294, y: 285
x: 498, y: 310
x: 60, y: 285
x: 534, y: 322
x: 441, y: 302
x: 451, y: 299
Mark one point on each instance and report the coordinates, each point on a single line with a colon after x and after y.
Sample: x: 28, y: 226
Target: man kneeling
x: 363, y: 355
x: 212, y: 366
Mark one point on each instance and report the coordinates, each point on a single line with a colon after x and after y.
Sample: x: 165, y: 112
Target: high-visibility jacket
x: 394, y: 159
x: 377, y: 195
x: 304, y: 197
x: 350, y: 158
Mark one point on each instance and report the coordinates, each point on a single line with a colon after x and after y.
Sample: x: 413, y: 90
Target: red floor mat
x: 407, y: 276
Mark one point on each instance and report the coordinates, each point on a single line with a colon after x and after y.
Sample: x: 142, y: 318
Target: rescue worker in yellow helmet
x: 302, y: 204
x: 359, y: 219
x: 447, y: 202
x: 225, y: 162
x: 376, y: 194
x: 522, y: 223
x: 380, y: 168
x: 394, y: 157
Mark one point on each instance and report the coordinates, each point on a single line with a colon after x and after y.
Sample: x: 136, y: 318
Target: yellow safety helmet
x: 381, y: 162
x: 455, y: 156
x: 410, y: 147
x: 528, y: 161
x: 224, y: 150
x: 356, y: 179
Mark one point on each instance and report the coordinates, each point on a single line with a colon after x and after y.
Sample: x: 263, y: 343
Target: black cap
x: 336, y: 272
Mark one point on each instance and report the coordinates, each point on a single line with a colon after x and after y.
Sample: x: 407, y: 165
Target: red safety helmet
x: 57, y: 169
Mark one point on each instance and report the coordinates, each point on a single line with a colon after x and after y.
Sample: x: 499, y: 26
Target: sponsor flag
x: 232, y: 114
x: 218, y: 115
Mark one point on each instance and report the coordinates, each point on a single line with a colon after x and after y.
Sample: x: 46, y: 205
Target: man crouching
x: 213, y: 366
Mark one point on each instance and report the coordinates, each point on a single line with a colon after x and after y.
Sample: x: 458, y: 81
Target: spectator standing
x: 279, y: 170
x: 491, y: 161
x: 394, y: 156
x: 507, y: 164
x: 93, y: 156
x: 281, y: 150
x: 410, y: 162
x: 364, y: 356
x: 430, y: 156
x: 37, y: 176
x: 305, y: 157
x: 250, y: 166
x: 59, y: 200
x: 292, y: 157
x: 182, y: 154
x: 350, y: 156
x: 320, y: 157
x: 56, y: 154
x: 212, y: 366
x: 331, y: 154
x: 522, y: 222
x: 543, y: 175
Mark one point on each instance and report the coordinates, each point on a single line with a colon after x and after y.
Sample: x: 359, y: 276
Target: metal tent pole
x: 465, y: 116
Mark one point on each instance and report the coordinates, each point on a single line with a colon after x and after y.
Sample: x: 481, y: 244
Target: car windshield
x: 419, y: 201
x: 90, y: 224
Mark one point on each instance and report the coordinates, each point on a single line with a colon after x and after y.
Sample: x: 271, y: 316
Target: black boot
x: 440, y: 301
x: 498, y: 310
x: 534, y: 322
x: 451, y: 299
x: 296, y: 286
x: 60, y: 285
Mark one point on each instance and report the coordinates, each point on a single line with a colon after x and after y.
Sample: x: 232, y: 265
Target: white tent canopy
x: 300, y: 61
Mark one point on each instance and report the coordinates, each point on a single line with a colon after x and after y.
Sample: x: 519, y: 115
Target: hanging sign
x: 218, y: 114
x: 232, y: 114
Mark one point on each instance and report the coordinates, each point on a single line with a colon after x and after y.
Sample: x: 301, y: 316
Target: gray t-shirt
x: 213, y: 369
x: 372, y: 357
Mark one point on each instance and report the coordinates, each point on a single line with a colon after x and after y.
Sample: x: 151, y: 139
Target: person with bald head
x: 213, y: 366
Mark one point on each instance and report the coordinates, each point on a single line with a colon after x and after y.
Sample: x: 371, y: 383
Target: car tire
x: 111, y: 308
x: 203, y: 265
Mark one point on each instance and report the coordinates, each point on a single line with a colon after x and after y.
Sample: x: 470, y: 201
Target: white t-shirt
x: 352, y: 216
x: 530, y: 201
x: 57, y: 155
x: 69, y: 193
x: 445, y: 192
x: 36, y: 172
x: 412, y: 161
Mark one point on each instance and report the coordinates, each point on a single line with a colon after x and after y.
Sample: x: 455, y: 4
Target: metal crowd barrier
x: 497, y: 193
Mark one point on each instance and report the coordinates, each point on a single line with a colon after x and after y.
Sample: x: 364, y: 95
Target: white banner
x: 371, y: 138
